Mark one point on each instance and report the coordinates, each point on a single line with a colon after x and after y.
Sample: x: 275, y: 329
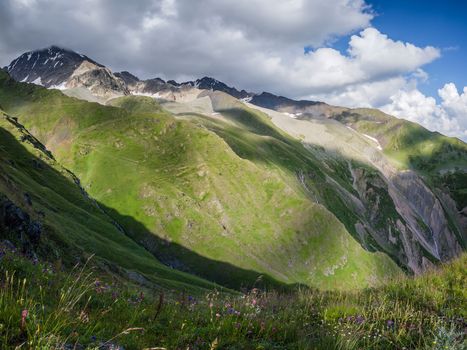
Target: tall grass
x: 88, y: 310
x: 36, y: 318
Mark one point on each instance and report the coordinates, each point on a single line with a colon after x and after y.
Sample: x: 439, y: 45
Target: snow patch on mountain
x: 37, y: 81
x: 378, y: 145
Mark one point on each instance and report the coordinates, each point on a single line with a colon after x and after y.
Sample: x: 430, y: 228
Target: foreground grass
x: 44, y: 308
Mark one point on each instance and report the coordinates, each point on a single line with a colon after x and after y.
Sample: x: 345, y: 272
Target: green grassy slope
x: 441, y: 160
x: 413, y: 147
x: 73, y: 225
x: 190, y: 197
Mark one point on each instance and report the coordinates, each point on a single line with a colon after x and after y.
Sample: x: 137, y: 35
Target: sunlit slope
x: 188, y: 197
x: 72, y: 226
x: 343, y: 169
x: 440, y: 160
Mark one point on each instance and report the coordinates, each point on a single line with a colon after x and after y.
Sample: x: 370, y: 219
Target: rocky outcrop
x: 382, y: 226
x: 425, y: 215
x: 100, y: 81
x: 405, y: 219
x: 129, y: 79
x: 17, y: 226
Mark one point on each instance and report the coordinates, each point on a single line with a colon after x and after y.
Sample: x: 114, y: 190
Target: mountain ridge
x: 32, y: 71
x: 155, y: 87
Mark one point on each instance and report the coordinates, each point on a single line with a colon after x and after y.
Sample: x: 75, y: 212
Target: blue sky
x: 441, y: 23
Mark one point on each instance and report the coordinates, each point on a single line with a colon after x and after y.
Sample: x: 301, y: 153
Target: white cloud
x: 371, y: 94
x: 449, y: 117
x: 381, y: 55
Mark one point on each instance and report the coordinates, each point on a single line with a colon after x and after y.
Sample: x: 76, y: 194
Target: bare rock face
x: 404, y: 218
x: 17, y: 226
x: 98, y: 80
x: 382, y: 227
x: 426, y: 216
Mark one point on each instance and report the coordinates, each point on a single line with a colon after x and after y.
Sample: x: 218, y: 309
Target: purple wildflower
x: 359, y: 319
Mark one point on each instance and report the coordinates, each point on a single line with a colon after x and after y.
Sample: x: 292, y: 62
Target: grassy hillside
x: 438, y: 157
x: 46, y: 213
x: 184, y: 190
x: 441, y: 160
x: 44, y: 307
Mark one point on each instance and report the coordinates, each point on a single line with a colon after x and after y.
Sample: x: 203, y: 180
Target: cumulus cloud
x: 448, y: 117
x: 381, y: 55
x: 368, y: 94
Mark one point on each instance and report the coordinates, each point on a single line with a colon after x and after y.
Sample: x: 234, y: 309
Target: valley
x: 200, y: 189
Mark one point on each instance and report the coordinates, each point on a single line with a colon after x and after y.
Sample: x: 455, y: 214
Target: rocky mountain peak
x: 57, y: 67
x: 50, y: 67
x: 208, y: 83
x: 127, y: 77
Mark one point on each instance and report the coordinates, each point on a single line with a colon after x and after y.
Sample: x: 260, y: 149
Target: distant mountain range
x: 60, y: 68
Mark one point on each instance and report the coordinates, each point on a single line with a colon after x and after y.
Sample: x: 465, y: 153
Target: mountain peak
x: 50, y: 66
x: 127, y: 77
x: 209, y: 83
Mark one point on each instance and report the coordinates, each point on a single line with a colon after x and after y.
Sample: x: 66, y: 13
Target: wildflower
x: 218, y: 315
x: 390, y: 323
x: 359, y: 319
x: 24, y: 315
x: 211, y: 305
